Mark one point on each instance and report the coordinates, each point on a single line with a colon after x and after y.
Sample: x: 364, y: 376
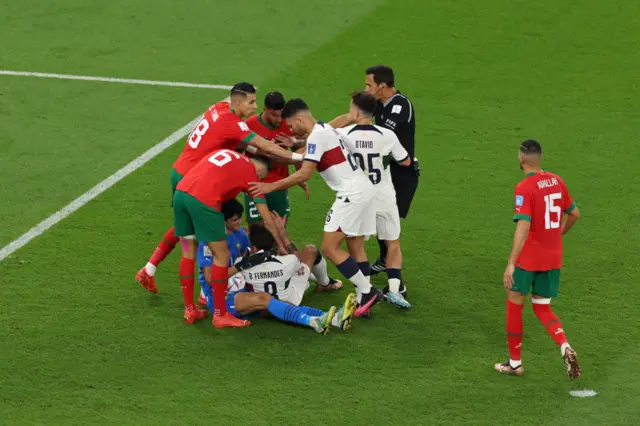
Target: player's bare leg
x: 542, y: 309
x: 311, y: 256
x: 219, y: 280
x: 187, y: 268
x: 515, y: 303
x: 394, y: 266
x: 145, y: 276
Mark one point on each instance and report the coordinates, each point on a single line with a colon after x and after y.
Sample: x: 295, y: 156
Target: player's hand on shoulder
x: 257, y: 189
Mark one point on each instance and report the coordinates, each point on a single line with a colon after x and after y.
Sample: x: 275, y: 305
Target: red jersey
x: 256, y: 124
x: 219, y: 177
x: 542, y: 198
x: 219, y: 128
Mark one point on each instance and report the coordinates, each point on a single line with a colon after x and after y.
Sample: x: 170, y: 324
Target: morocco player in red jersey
x: 541, y: 201
x: 221, y: 127
x: 269, y: 125
x: 197, y: 203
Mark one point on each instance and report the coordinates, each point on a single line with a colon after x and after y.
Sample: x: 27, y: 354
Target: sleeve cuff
x: 521, y: 217
x: 570, y: 208
x: 249, y: 137
x: 310, y: 159
x: 259, y: 200
x: 404, y: 159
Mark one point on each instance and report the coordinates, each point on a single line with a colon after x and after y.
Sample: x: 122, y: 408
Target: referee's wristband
x: 297, y: 157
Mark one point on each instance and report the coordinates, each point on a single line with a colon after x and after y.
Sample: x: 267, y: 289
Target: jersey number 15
x: 553, y: 212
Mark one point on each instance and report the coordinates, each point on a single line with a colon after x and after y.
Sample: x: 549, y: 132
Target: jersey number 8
x: 198, y: 132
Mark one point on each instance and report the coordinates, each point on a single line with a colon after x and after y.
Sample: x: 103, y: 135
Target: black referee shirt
x: 397, y: 115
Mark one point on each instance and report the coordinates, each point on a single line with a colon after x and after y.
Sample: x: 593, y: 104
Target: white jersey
x: 279, y: 277
x: 373, y: 147
x: 327, y: 148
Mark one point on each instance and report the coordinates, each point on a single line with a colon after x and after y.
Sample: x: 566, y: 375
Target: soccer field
x: 81, y: 343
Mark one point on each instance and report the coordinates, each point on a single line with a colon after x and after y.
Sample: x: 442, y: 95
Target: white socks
x: 150, y: 268
x: 320, y: 272
x: 564, y: 348
x: 394, y: 285
x: 514, y: 363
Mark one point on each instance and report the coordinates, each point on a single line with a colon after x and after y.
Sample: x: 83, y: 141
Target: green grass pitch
x: 81, y: 344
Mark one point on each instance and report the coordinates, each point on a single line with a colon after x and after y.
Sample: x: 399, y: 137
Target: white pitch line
x: 70, y: 208
x: 113, y: 80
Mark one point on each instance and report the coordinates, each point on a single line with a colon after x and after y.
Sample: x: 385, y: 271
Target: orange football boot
x: 194, y: 315
x: 146, y: 281
x: 227, y: 320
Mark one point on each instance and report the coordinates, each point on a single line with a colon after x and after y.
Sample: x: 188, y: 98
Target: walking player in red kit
x: 541, y: 200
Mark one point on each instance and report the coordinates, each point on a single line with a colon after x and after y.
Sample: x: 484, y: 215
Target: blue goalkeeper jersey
x: 238, y: 243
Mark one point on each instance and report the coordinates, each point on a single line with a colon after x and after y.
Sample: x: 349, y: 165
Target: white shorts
x: 354, y: 219
x: 297, y: 286
x: 388, y: 224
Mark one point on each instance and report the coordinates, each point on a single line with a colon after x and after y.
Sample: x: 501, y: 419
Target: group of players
x: 225, y: 155
x: 265, y: 272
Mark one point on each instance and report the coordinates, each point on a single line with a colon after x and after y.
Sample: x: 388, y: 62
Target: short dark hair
x: 365, y: 102
x: 274, y: 100
x: 243, y: 89
x: 264, y: 160
x: 531, y: 146
x: 232, y: 208
x: 260, y: 237
x: 293, y: 107
x: 382, y: 74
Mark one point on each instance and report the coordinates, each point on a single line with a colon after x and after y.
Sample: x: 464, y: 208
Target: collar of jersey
x: 264, y: 123
x: 389, y: 100
x: 532, y: 173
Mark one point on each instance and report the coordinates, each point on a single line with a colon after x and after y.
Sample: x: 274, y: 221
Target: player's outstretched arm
x: 572, y: 218
x: 273, y: 149
x: 341, y: 121
x: 257, y: 189
x: 269, y: 223
x: 519, y: 237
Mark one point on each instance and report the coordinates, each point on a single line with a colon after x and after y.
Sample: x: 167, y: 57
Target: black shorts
x: 405, y: 184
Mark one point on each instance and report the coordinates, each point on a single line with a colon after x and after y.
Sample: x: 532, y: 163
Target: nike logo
x: 559, y: 331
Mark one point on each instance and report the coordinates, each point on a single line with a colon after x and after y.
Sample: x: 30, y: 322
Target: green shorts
x: 192, y: 217
x: 175, y: 180
x: 542, y: 283
x: 277, y: 201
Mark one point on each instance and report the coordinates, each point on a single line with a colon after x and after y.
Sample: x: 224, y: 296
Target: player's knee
x: 311, y: 250
x: 393, y: 245
x: 263, y: 299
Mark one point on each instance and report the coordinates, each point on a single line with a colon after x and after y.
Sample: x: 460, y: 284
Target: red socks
x: 550, y: 321
x: 514, y: 330
x: 186, y: 281
x: 165, y: 247
x: 219, y: 284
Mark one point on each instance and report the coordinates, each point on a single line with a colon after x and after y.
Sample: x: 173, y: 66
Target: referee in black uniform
x: 395, y: 112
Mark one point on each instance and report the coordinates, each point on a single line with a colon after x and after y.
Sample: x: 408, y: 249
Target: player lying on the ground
x: 221, y: 127
x: 352, y: 215
x: 239, y: 245
x: 534, y: 264
x: 196, y: 207
x: 277, y: 284
x: 374, y: 147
